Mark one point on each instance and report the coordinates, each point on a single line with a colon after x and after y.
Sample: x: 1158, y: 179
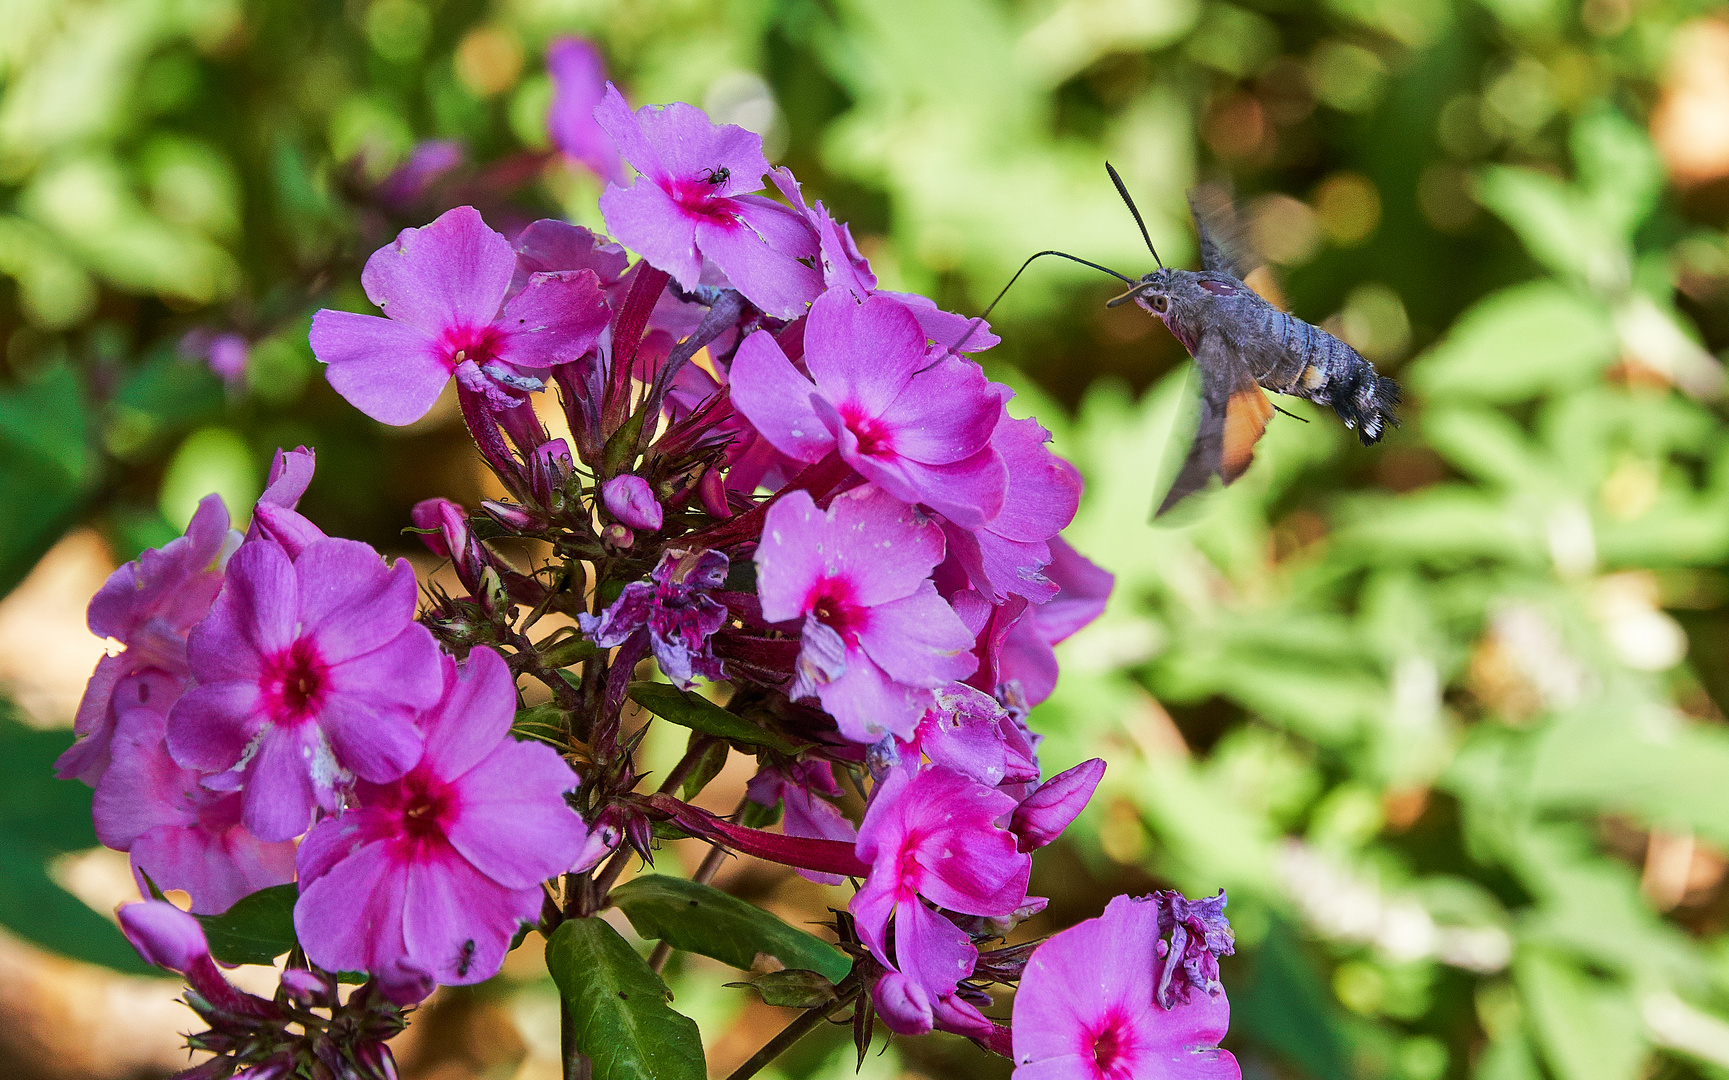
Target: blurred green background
x: 1446, y: 716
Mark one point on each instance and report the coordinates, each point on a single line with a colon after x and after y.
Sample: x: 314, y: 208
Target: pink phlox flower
x: 692, y: 202
x: 148, y: 606
x: 429, y: 162
x: 968, y: 731
x: 435, y: 870
x: 309, y: 672
x: 1026, y: 653
x: 844, y: 266
x: 876, y: 637
x: 799, y: 785
x: 443, y: 291
x: 916, y: 423
x: 276, y: 516
x: 1087, y: 1008
x: 549, y: 246
x: 676, y: 611
x: 225, y: 351
x: 578, y: 84
x: 1008, y: 554
x: 178, y: 832
x: 935, y: 836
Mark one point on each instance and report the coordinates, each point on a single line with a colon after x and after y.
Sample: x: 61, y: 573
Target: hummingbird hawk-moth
x: 1242, y: 346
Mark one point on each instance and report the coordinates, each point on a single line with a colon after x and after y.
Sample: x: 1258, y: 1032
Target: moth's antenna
x: 956, y: 347
x: 1123, y: 190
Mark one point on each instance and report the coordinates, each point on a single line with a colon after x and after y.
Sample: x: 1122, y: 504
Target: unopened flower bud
x: 1043, y: 815
x: 903, y: 1004
x: 629, y: 499
x: 163, y: 934
x: 511, y: 516
x: 617, y: 536
x: 309, y: 989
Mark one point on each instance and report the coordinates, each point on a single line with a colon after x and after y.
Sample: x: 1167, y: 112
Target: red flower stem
x: 823, y: 856
x: 627, y: 327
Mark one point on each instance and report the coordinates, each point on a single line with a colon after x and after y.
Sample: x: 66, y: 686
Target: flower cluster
x: 744, y: 462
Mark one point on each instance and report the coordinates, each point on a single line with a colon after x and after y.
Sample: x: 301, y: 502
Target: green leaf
x: 1518, y: 343
x: 1588, y: 1029
x: 700, y: 714
x: 257, y: 929
x: 793, y: 988
x: 49, y: 468
x: 708, y: 766
x: 617, y: 1007
x: 696, y: 918
x: 42, y: 817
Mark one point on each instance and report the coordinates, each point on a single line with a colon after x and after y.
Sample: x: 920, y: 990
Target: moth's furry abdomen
x: 1365, y: 400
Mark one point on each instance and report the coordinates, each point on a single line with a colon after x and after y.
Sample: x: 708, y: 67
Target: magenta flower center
x: 831, y: 602
x: 1109, y: 1048
x: 429, y: 807
x: 695, y: 196
x: 295, y: 682
x: 482, y: 344
x: 875, y: 439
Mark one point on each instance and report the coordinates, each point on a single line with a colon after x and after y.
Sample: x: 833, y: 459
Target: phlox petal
x: 280, y: 793
x: 918, y: 639
x: 554, y: 319
x: 389, y: 370
x: 866, y: 704
x: 515, y: 826
x: 645, y: 219
x: 770, y: 278
x: 943, y: 414
x: 452, y: 272
x: 862, y: 355
x: 776, y: 399
x: 351, y: 602
x: 457, y: 922
x: 350, y: 917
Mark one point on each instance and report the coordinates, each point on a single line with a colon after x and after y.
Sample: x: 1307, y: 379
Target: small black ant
x: 716, y: 177
x: 465, y: 958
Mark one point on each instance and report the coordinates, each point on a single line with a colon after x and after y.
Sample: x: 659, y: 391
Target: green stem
x: 806, y: 1023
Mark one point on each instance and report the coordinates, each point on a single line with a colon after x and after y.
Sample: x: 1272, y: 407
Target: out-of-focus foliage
x: 1445, y: 716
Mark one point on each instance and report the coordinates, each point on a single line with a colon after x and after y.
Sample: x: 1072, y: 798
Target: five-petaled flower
x: 876, y: 636
x: 444, y: 290
x: 310, y: 672
x: 916, y: 423
x: 433, y: 872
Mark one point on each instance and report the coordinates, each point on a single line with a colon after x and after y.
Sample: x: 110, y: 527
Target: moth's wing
x: 1225, y: 246
x: 1234, y: 414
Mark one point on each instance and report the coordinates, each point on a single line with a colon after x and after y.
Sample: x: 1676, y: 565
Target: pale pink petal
x: 143, y: 788
x: 883, y: 547
x: 514, y: 826
x: 388, y: 370
x: 375, y: 744
x: 930, y: 950
x: 944, y: 414
x: 453, y: 272
x: 689, y: 145
x: 456, y: 922
x: 789, y: 558
x: 254, y: 616
x: 625, y: 130
x: 351, y: 602
x: 866, y: 704
x: 280, y: 798
x: 648, y: 222
x: 210, y: 726
x: 350, y: 918
x: 968, y: 492
x: 771, y: 279
x: 475, y: 712
x: 217, y: 867
x: 776, y: 399
x: 783, y: 228
x: 918, y: 639
x: 555, y: 319
x: 862, y: 355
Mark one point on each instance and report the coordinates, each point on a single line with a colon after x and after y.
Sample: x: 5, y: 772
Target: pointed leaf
x: 696, y: 918
x: 700, y: 714
x: 257, y: 929
x: 617, y: 1007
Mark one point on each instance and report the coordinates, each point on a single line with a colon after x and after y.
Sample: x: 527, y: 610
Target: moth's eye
x: 1161, y: 303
